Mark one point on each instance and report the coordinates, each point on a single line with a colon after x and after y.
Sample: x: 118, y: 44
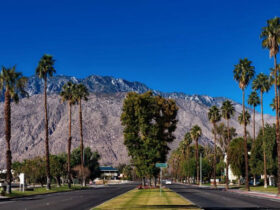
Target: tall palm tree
x: 254, y: 101
x: 67, y: 95
x: 271, y: 39
x: 12, y: 83
x: 243, y: 73
x: 81, y: 93
x: 228, y: 111
x: 262, y: 83
x: 196, y: 134
x: 188, y: 141
x: 214, y: 116
x: 44, y: 70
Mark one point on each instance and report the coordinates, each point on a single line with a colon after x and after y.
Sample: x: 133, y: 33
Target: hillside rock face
x: 101, y: 114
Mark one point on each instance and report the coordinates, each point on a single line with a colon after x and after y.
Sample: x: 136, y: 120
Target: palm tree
x: 12, y: 83
x: 214, y: 116
x: 271, y: 40
x: 254, y: 101
x: 67, y: 95
x: 243, y: 73
x: 188, y: 141
x: 247, y: 118
x: 262, y: 83
x: 81, y: 93
x: 44, y: 69
x: 228, y: 111
x: 196, y: 134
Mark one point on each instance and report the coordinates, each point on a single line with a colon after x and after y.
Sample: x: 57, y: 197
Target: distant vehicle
x: 168, y: 182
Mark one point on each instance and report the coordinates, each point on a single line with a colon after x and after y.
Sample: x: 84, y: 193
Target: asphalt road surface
x: 81, y: 199
x: 207, y: 198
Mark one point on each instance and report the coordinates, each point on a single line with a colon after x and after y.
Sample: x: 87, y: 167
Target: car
x: 168, y: 182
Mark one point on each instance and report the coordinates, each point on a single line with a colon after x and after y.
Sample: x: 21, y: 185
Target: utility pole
x: 200, y: 183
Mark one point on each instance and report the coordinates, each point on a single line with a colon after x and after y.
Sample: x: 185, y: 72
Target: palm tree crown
x: 228, y: 109
x: 247, y: 118
x: 81, y: 92
x: 262, y: 83
x: 67, y: 93
x: 188, y: 139
x: 271, y: 36
x: 14, y: 82
x: 243, y: 72
x: 45, y: 67
x: 196, y: 132
x: 214, y: 114
x: 254, y: 99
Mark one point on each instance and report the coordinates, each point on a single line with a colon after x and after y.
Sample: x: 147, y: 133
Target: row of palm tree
x: 13, y: 84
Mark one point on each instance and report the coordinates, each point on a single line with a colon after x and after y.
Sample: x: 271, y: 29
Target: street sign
x: 161, y: 165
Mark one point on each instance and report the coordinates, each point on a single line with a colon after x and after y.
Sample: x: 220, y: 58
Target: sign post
x: 161, y: 165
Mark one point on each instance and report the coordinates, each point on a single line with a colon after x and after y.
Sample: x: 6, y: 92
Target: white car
x: 168, y: 182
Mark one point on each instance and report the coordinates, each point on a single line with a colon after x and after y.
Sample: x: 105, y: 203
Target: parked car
x: 168, y: 182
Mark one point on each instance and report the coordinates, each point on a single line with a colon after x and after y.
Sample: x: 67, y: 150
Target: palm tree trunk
x: 188, y: 151
x: 245, y: 145
x: 82, y: 142
x: 215, y: 150
x: 227, y: 146
x: 47, y: 138
x: 264, y: 152
x: 196, y: 161
x: 69, y: 146
x: 7, y: 110
x: 254, y: 124
x: 277, y: 125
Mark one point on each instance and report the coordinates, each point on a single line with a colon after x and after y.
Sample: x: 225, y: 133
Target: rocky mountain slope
x: 102, y: 126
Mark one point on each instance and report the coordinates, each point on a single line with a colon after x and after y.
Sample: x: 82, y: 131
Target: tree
x: 12, y: 83
x: 58, y: 167
x: 188, y: 141
x: 81, y: 93
x: 214, y: 116
x: 44, y: 70
x: 91, y: 161
x: 228, y: 111
x: 196, y: 134
x: 262, y: 83
x: 271, y: 39
x: 67, y: 95
x: 254, y: 101
x: 236, y: 157
x: 149, y: 123
x: 243, y: 73
x: 247, y: 118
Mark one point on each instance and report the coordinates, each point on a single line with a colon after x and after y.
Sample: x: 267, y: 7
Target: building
x: 108, y: 172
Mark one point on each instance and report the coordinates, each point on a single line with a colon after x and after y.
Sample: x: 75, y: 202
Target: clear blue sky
x: 186, y: 46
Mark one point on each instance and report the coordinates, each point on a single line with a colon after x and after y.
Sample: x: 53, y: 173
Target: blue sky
x: 185, y: 46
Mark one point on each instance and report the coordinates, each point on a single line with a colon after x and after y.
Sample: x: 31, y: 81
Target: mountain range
x: 102, y: 126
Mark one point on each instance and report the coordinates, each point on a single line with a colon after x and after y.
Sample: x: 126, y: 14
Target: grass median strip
x: 269, y: 189
x: 43, y: 190
x: 148, y: 199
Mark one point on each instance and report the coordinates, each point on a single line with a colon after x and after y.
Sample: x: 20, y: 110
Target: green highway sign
x: 161, y: 165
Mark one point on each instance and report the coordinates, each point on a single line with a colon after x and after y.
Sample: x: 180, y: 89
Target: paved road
x: 219, y: 199
x: 84, y: 199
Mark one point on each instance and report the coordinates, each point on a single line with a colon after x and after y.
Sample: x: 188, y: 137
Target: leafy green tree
x: 271, y: 40
x: 254, y: 101
x: 214, y: 116
x: 58, y: 167
x: 67, y: 95
x: 81, y: 93
x: 228, y: 111
x: 149, y: 122
x: 196, y: 134
x: 91, y: 161
x: 12, y: 83
x: 44, y: 70
x: 262, y: 83
x: 243, y: 73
